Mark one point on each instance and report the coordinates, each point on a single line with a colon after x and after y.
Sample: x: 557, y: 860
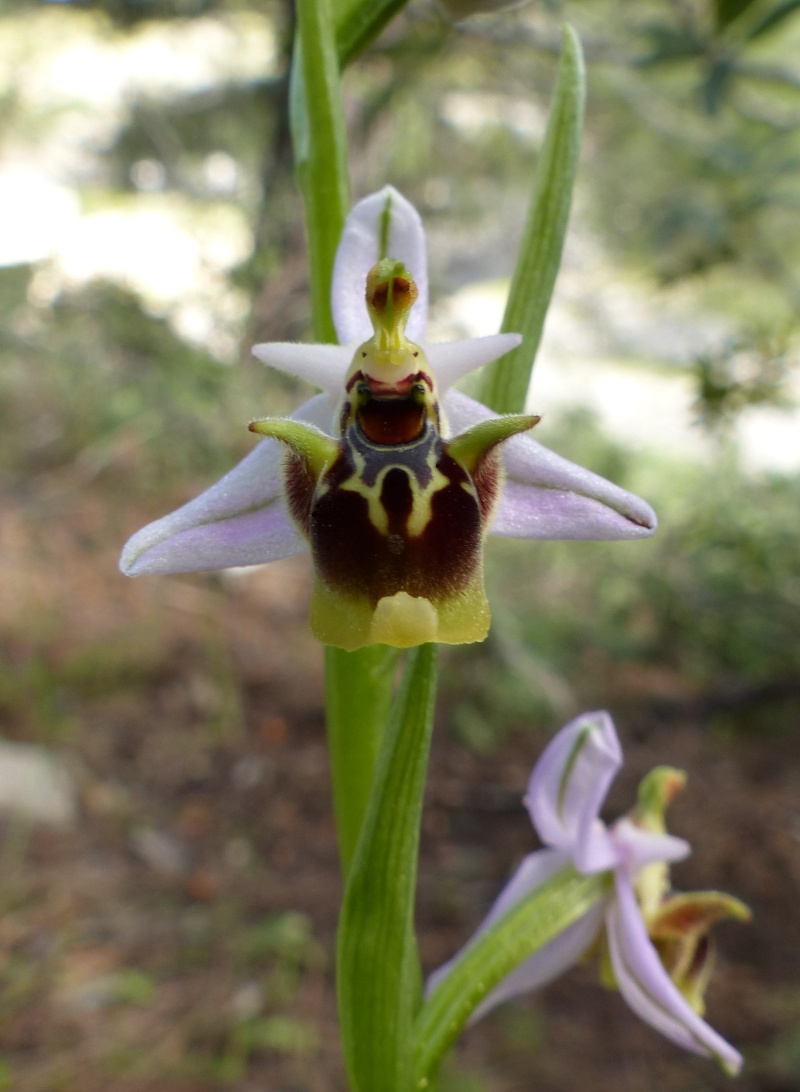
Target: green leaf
x: 358, y: 698
x: 774, y: 17
x: 377, y: 967
x: 504, y: 384
x: 526, y: 927
x: 319, y: 140
x: 359, y: 22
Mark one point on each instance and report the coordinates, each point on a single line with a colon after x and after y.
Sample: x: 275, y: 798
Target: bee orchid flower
x: 653, y: 943
x: 390, y: 475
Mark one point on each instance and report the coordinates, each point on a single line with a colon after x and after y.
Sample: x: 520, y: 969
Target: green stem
x: 378, y: 967
x: 358, y: 697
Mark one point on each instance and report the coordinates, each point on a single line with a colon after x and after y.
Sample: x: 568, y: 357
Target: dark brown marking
x: 300, y: 486
x: 352, y: 555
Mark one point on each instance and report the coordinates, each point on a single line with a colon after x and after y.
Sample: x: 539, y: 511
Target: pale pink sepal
x: 547, y: 496
x: 648, y: 989
x: 360, y: 249
x: 241, y: 520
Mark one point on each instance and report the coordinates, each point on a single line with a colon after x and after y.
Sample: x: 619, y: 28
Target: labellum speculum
x: 395, y: 513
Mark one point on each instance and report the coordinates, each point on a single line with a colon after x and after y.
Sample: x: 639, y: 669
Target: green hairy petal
x: 312, y: 445
x: 470, y: 447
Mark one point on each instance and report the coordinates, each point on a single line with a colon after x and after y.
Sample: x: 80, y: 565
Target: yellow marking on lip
x: 422, y: 499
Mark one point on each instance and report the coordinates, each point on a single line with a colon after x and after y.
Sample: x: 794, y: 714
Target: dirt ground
x: 177, y: 936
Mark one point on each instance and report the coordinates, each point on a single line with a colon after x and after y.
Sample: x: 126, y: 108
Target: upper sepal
x: 383, y: 225
x: 568, y: 786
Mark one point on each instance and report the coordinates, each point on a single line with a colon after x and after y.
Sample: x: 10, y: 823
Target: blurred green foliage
x: 701, y: 619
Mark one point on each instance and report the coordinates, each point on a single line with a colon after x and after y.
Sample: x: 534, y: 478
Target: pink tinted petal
x: 648, y: 989
x: 323, y: 365
x: 640, y: 847
x: 568, y: 786
x: 360, y: 249
x: 252, y: 539
x: 529, y: 511
x: 546, y: 496
x: 450, y: 360
x: 240, y: 520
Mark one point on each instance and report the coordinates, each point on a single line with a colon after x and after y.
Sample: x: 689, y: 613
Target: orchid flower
x: 390, y: 475
x: 655, y: 943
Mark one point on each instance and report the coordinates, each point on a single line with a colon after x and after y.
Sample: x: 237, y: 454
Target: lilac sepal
x: 385, y: 213
x: 567, y: 789
x: 648, y: 989
x: 241, y: 520
x: 547, y: 496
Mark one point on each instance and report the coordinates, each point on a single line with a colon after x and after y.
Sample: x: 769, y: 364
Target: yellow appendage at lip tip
x: 400, y: 620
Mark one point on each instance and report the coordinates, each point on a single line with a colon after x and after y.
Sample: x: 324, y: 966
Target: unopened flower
x: 391, y: 476
x: 654, y: 942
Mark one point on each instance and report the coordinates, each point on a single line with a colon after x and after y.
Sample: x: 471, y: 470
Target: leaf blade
x: 504, y: 384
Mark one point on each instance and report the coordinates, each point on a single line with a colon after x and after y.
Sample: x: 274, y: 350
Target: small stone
x: 161, y: 852
x: 36, y: 784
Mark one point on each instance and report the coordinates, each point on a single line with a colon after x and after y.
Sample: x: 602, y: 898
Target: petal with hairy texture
x: 648, y: 989
x: 567, y: 789
x: 640, y: 847
x: 323, y: 365
x: 547, y: 496
x: 240, y: 520
x: 451, y: 360
x: 383, y: 217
